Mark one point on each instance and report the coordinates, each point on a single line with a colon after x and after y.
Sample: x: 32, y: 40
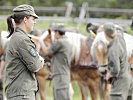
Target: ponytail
x: 10, y: 25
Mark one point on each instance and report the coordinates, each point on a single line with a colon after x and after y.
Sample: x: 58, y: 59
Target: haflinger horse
x: 82, y: 68
x: 99, y: 46
x: 100, y: 43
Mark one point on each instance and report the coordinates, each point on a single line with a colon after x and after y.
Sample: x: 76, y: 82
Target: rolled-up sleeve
x: 29, y: 56
x: 114, y: 63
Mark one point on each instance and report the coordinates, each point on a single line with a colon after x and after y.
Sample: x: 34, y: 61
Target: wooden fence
x: 64, y: 13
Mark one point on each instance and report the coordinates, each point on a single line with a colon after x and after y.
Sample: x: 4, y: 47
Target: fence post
x: 69, y: 9
x: 83, y: 11
x: 82, y: 14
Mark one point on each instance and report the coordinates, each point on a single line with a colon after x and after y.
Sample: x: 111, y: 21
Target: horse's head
x: 48, y: 37
x: 101, y: 53
x: 132, y: 25
x: 99, y: 49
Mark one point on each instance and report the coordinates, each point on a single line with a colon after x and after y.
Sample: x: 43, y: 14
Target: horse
x: 82, y: 68
x: 99, y: 47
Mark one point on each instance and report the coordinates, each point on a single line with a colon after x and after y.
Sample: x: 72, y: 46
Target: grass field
x: 76, y: 96
x: 81, y: 28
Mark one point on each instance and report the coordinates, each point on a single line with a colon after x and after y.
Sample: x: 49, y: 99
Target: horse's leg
x: 41, y: 77
x: 42, y: 87
x: 84, y: 90
x: 104, y: 89
x: 71, y: 91
x: 93, y: 85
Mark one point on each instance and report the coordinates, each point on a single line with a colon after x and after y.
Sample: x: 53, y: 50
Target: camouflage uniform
x: 61, y: 58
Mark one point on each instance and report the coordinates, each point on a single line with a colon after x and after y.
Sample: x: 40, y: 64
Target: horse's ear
x: 92, y: 34
x: 132, y: 25
x: 49, y: 31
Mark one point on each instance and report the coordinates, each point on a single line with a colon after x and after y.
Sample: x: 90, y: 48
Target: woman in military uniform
x: 22, y: 58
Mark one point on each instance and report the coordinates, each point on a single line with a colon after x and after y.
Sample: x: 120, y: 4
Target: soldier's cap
x: 58, y: 27
x: 109, y: 29
x: 25, y: 9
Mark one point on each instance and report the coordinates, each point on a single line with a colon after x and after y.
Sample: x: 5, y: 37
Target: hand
x: 108, y: 76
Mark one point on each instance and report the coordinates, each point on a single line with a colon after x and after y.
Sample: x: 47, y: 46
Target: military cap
x: 109, y: 29
x: 26, y: 9
x: 58, y: 28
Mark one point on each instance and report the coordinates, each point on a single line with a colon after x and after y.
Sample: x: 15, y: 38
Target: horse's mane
x: 74, y: 39
x: 101, y: 37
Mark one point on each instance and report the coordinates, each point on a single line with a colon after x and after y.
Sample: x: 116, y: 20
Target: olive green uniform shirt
x: 118, y: 66
x: 61, y: 56
x: 61, y: 52
x: 22, y: 61
x: 117, y: 57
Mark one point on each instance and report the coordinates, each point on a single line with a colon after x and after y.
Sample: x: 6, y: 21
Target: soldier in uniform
x: 22, y: 58
x: 60, y: 51
x: 118, y: 69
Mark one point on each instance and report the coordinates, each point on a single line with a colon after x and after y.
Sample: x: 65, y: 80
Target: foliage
x: 123, y: 4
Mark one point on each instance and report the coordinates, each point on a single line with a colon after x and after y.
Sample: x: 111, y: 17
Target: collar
x: 18, y: 29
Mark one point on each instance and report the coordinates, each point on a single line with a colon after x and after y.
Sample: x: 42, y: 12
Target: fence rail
x: 84, y: 10
x: 64, y: 10
x: 68, y: 8
x: 77, y: 20
x: 110, y: 10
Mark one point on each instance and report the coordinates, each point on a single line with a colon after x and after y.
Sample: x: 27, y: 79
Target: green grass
x: 81, y: 28
x: 49, y: 91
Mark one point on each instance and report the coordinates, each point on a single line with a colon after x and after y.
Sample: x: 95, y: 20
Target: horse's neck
x: 128, y: 39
